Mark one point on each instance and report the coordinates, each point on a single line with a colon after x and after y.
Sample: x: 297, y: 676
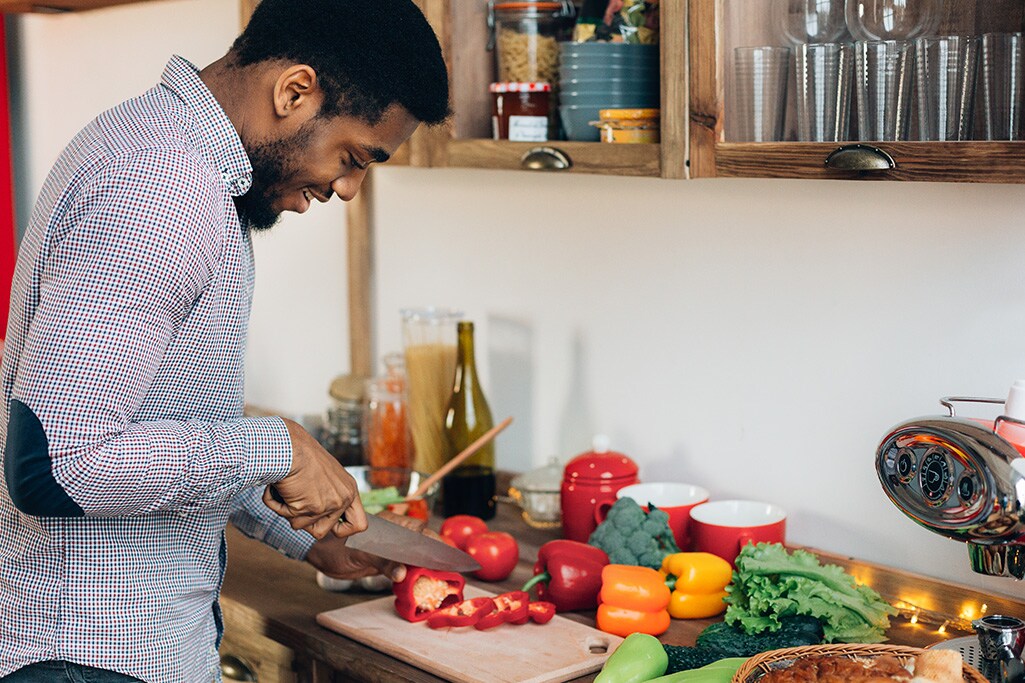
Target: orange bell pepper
x: 699, y: 583
x: 633, y: 599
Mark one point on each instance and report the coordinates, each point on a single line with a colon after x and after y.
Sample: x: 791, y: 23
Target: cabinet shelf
x: 462, y: 27
x: 715, y: 26
x: 980, y: 162
x: 586, y: 157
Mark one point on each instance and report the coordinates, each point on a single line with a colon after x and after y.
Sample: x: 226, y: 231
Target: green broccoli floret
x: 629, y: 535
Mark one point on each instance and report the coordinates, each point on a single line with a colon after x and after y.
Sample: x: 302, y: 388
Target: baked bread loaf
x: 932, y: 666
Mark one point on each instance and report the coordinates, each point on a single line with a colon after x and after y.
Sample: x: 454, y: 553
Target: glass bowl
x: 404, y: 479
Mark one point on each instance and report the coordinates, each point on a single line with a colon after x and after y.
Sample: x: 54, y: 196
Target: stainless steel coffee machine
x: 964, y: 478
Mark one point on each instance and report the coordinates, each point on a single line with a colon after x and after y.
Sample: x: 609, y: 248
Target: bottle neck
x: 466, y: 364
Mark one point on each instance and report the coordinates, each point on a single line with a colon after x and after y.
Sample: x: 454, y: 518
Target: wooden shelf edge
x: 587, y: 157
x: 968, y: 162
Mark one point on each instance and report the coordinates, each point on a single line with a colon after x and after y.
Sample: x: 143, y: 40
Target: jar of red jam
x: 520, y: 111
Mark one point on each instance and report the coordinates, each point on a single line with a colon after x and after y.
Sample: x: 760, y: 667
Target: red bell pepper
x: 425, y: 590
x: 465, y: 613
x: 568, y: 574
x: 510, y: 608
x: 541, y: 612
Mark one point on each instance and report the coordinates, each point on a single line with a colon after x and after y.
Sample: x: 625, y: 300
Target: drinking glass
x: 429, y: 338
x: 760, y: 81
x: 945, y: 70
x: 883, y: 72
x: 892, y: 19
x: 824, y: 76
x: 1002, y: 78
x: 810, y: 21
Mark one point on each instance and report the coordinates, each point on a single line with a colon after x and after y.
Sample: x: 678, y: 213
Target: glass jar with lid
x: 521, y: 111
x: 526, y: 38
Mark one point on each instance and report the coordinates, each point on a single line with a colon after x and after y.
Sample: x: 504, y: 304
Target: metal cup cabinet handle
x: 236, y: 669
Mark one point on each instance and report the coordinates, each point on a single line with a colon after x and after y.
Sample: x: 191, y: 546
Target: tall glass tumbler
x: 760, y: 97
x: 945, y: 68
x: 429, y: 338
x: 883, y: 73
x: 824, y: 76
x: 1003, y: 84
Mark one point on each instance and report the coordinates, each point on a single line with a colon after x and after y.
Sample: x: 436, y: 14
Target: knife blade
x: 399, y: 544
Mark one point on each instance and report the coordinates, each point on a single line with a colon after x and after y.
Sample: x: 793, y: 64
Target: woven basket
x: 762, y: 663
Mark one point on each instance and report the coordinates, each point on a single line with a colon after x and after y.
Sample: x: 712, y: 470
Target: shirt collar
x: 219, y: 137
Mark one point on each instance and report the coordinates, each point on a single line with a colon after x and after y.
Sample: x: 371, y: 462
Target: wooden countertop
x: 279, y: 598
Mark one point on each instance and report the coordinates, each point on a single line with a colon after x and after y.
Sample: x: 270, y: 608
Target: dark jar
x: 521, y: 111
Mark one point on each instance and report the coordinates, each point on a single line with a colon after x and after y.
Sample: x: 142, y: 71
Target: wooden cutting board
x: 560, y: 650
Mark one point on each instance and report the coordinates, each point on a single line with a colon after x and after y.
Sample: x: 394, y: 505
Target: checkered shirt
x: 126, y: 339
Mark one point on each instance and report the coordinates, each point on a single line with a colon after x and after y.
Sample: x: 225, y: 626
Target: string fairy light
x: 942, y: 622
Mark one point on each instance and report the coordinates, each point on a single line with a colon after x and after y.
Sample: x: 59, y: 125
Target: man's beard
x: 274, y: 164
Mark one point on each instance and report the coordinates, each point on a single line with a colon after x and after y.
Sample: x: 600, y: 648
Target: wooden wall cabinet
x: 466, y: 141
x: 717, y: 26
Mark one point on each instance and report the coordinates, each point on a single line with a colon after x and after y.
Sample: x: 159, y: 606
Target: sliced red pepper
x: 568, y: 574
x: 465, y: 613
x: 541, y: 612
x: 415, y: 508
x: 425, y: 590
x: 510, y: 608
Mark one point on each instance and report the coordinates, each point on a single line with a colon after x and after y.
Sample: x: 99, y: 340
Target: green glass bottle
x: 470, y: 488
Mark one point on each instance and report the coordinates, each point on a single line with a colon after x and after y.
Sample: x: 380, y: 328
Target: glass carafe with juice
x: 470, y: 488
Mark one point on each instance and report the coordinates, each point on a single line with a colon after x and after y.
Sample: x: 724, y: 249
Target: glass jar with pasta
x: 526, y: 39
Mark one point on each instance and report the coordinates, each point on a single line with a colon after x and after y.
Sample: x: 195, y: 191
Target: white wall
x: 756, y: 337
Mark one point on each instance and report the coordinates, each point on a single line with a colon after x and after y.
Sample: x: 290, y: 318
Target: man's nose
x: 347, y: 186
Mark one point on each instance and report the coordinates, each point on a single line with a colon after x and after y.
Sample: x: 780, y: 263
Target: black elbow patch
x: 30, y: 480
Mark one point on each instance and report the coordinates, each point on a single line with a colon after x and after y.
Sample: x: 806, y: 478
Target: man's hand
x: 333, y: 558
x: 317, y: 495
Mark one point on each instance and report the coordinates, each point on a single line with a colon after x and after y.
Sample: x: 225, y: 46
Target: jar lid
x: 621, y: 114
x: 546, y: 478
x: 600, y: 464
x: 347, y: 388
x: 520, y: 87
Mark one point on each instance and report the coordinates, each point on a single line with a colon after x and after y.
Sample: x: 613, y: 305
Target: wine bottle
x: 470, y: 488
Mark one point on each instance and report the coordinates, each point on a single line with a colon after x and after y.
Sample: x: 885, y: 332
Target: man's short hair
x: 368, y: 54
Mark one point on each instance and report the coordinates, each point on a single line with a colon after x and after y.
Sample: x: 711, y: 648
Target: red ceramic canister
x: 588, y: 479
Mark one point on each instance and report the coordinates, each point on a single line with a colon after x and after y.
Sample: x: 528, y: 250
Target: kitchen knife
x: 399, y: 544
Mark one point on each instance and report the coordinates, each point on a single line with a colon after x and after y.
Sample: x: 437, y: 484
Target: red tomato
x: 497, y: 552
x: 458, y: 529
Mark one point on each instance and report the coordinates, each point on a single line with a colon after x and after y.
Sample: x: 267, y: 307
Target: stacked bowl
x: 603, y: 75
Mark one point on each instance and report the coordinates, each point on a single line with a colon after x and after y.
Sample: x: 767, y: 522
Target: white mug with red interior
x: 723, y: 527
x: 674, y: 498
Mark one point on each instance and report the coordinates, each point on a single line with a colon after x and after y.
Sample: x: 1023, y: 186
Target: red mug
x: 673, y: 498
x: 723, y: 527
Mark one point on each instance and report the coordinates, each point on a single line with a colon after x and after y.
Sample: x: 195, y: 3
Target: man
x: 125, y: 449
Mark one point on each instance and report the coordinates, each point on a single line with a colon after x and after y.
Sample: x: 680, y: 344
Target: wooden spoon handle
x: 460, y: 457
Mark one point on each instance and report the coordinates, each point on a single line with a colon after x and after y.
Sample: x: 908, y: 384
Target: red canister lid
x: 520, y: 87
x: 600, y: 464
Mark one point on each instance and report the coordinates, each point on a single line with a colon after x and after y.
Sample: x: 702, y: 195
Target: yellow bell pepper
x: 700, y: 584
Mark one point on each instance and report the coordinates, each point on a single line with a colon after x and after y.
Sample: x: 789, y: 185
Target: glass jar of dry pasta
x: 526, y: 39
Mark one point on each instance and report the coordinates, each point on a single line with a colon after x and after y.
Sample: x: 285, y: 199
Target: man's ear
x: 295, y: 90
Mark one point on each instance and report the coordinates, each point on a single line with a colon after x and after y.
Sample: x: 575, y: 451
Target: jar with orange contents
x: 388, y: 440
